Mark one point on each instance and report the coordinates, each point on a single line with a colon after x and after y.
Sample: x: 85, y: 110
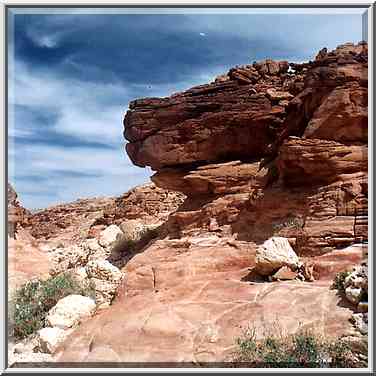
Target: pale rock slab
x: 70, y: 310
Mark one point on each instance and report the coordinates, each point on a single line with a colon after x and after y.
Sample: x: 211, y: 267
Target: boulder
x: 110, y: 236
x: 69, y: 311
x: 106, y: 279
x: 103, y: 269
x: 356, y: 284
x: 273, y: 254
x: 360, y: 321
x: 353, y: 294
x: 49, y: 339
x: 133, y: 230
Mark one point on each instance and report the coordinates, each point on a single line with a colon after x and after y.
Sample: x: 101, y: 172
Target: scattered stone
x: 353, y: 294
x: 273, y: 254
x: 80, y: 274
x: 103, y: 269
x: 49, y: 339
x: 285, y: 273
x: 213, y: 225
x: 69, y: 311
x: 360, y: 321
x: 356, y: 284
x: 93, y: 245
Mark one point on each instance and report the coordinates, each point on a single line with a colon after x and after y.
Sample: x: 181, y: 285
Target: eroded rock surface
x: 187, y: 302
x: 262, y: 146
x: 272, y: 149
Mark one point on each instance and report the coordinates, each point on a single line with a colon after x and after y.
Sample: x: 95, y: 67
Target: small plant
x: 303, y: 349
x: 339, y: 281
x: 32, y: 301
x: 290, y: 222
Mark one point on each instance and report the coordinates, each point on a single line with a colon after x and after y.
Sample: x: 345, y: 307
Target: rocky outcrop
x: 187, y: 300
x: 253, y: 159
x: 70, y: 223
x: 18, y: 216
x: 264, y: 145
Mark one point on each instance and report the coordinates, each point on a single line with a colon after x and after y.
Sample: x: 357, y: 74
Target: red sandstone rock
x: 230, y: 177
x: 25, y: 261
x: 302, y: 175
x: 71, y: 222
x: 203, y: 294
x: 313, y: 161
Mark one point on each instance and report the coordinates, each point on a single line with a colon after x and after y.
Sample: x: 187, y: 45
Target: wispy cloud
x: 73, y: 75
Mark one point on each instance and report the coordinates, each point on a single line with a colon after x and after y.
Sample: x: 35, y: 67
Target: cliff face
x: 265, y: 145
x: 269, y: 149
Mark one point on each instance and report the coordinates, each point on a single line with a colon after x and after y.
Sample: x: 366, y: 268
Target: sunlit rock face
x: 272, y: 149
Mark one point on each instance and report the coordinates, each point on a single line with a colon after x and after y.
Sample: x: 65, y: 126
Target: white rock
x: 104, y: 270
x: 109, y: 236
x: 360, y: 322
x: 353, y: 294
x: 70, y: 310
x: 80, y: 274
x: 273, y: 254
x: 133, y: 230
x: 93, y: 245
x: 49, y: 339
x: 106, y: 278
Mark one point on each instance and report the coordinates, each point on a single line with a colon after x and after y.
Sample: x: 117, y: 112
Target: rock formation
x: 18, y: 216
x: 272, y: 149
x: 281, y: 144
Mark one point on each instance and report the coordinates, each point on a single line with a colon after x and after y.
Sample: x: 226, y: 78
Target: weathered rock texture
x: 269, y: 149
x: 187, y: 300
x: 73, y: 222
x: 265, y: 144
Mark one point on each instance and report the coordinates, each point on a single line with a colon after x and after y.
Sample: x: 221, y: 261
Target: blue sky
x: 72, y: 75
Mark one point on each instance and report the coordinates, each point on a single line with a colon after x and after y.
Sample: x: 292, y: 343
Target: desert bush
x: 290, y: 222
x: 339, y: 281
x: 32, y: 301
x: 303, y: 349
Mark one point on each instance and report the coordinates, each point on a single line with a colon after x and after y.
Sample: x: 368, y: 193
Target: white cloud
x: 203, y: 34
x: 80, y: 104
x: 85, y: 111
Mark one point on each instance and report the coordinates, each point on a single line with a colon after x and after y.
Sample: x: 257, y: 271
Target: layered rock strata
x: 272, y: 148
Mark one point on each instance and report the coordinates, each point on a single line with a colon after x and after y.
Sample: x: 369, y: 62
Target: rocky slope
x: 80, y: 238
x: 269, y: 149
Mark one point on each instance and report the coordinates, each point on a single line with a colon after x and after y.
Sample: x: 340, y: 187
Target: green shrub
x: 303, y: 349
x: 339, y: 281
x: 32, y: 301
x: 290, y: 222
